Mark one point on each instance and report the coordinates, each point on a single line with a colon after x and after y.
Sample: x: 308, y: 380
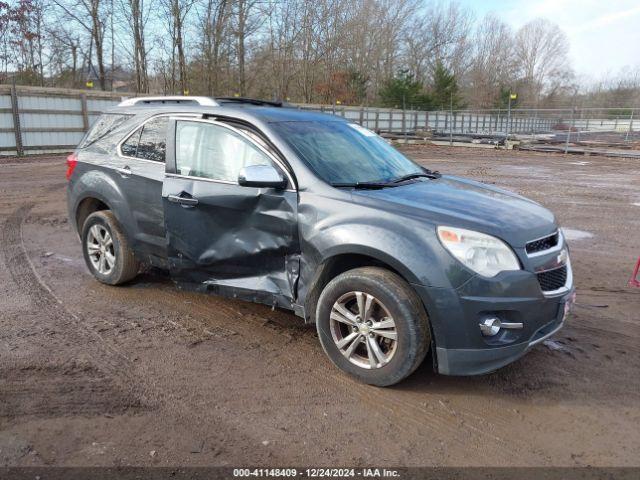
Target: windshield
x: 345, y: 153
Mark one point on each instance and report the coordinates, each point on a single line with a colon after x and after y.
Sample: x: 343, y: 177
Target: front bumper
x: 455, y: 314
x: 461, y: 361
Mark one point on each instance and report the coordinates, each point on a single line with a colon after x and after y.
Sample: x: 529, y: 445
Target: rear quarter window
x: 148, y: 142
x: 105, y: 124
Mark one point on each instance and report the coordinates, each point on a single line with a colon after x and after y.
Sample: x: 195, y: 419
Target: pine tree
x: 445, y: 89
x: 403, y: 91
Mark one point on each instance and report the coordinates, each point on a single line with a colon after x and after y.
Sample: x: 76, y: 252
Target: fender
x: 404, y: 244
x: 99, y: 185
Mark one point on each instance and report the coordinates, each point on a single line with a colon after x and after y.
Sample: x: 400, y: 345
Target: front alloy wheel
x: 372, y: 325
x: 363, y: 330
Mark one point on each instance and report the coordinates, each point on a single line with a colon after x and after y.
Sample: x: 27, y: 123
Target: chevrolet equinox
x: 312, y: 213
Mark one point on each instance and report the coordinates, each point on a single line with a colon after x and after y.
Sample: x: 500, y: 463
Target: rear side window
x: 106, y: 124
x: 130, y: 147
x: 149, y: 142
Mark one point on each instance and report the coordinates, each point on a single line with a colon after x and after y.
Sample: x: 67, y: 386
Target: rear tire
x: 373, y: 326
x: 106, y: 249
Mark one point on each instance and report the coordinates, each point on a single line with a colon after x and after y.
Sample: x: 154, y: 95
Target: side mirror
x: 261, y: 176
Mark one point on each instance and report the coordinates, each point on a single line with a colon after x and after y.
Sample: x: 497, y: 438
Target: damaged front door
x: 224, y: 237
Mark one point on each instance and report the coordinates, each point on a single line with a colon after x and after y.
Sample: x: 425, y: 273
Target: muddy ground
x: 149, y: 375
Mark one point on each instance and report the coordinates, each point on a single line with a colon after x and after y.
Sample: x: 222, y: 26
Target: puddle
x: 572, y: 234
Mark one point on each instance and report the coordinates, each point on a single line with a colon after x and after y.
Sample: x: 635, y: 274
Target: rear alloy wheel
x: 372, y: 325
x: 99, y: 245
x: 106, y: 250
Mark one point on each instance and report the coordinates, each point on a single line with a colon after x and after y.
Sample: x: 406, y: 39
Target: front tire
x: 373, y: 326
x: 106, y: 250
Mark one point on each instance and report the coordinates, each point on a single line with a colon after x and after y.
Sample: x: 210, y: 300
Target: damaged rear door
x: 222, y: 237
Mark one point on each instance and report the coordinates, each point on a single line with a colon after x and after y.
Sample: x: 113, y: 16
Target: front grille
x: 542, y: 244
x: 553, y: 279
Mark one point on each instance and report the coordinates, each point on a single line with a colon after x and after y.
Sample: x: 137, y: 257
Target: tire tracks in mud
x: 109, y: 361
x: 435, y: 420
x: 442, y: 422
x: 107, y: 358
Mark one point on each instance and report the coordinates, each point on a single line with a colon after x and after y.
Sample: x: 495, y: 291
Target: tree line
x: 402, y: 53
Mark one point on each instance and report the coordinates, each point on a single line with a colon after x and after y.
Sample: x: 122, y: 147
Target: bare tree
x: 214, y: 21
x: 136, y: 14
x: 541, y: 53
x: 439, y: 34
x: 176, y: 12
x: 492, y: 66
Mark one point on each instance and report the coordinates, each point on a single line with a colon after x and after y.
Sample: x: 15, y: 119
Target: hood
x: 463, y: 203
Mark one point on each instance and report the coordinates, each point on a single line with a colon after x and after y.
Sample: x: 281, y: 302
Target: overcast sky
x: 604, y: 34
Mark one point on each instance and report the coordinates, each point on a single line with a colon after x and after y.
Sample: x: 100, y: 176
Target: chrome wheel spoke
x: 338, y: 317
x: 364, y: 301
x: 344, y: 311
x: 107, y: 241
x: 352, y: 348
x: 385, y: 323
x: 347, y: 340
x: 95, y: 232
x: 110, y: 258
x: 93, y: 248
x: 101, y: 264
x: 376, y: 357
x: 390, y: 334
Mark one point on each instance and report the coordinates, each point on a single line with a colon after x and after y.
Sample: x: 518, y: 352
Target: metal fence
x: 494, y: 121
x: 45, y: 120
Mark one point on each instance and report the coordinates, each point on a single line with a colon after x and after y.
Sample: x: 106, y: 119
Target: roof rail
x: 250, y: 101
x: 179, y: 100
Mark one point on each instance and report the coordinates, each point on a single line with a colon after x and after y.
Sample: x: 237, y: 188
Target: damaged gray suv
x: 311, y: 213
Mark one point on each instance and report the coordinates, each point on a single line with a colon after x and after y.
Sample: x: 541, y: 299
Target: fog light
x: 490, y: 326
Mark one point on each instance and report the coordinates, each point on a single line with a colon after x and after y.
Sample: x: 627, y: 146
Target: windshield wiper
x: 425, y: 174
x: 364, y: 185
x: 388, y: 184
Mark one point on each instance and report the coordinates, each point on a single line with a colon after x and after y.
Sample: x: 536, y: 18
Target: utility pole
x: 451, y: 121
x: 113, y: 50
x: 626, y: 139
x: 512, y: 96
x: 566, y: 145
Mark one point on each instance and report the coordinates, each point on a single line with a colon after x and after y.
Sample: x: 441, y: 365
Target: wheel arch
x: 342, y: 260
x: 87, y: 206
x: 95, y: 190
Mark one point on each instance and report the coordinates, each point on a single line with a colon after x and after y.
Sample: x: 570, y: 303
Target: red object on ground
x: 634, y: 281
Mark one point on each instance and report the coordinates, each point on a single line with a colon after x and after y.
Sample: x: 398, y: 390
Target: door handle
x: 124, y: 171
x: 184, y: 201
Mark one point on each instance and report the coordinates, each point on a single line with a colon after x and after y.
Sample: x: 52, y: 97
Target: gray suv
x: 314, y: 214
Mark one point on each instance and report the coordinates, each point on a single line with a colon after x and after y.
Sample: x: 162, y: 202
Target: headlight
x: 482, y: 253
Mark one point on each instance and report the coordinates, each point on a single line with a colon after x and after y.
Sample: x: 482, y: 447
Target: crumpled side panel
x: 237, y: 241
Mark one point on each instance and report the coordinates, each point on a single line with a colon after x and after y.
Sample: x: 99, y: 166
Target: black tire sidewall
x: 99, y: 218
x: 410, y: 319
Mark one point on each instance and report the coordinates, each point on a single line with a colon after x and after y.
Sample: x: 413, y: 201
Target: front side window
x: 149, y: 142
x: 214, y: 152
x: 345, y: 153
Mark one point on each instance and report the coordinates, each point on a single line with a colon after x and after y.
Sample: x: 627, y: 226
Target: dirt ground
x: 146, y: 374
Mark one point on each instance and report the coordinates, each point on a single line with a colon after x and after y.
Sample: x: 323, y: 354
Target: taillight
x: 72, y: 161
